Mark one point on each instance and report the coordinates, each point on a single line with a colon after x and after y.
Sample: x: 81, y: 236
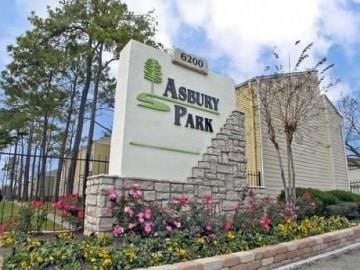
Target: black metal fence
x: 34, y: 181
x: 355, y: 186
x: 254, y: 179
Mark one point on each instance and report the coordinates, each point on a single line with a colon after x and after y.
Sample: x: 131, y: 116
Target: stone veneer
x: 274, y: 256
x: 221, y: 172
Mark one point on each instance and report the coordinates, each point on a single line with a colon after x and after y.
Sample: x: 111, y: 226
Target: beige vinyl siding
x: 311, y: 157
x: 337, y: 150
x: 354, y: 174
x: 100, y: 151
x: 246, y: 103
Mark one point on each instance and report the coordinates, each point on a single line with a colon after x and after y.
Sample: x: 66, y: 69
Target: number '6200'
x: 192, y: 60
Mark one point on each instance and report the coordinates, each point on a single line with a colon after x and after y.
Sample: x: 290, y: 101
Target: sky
x: 236, y: 36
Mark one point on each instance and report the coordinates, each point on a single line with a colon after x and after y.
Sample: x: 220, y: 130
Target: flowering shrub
x: 310, y: 226
x: 257, y: 215
x: 31, y: 217
x: 71, y: 209
x: 133, y: 215
x: 136, y: 251
x: 8, y: 226
x: 145, y: 234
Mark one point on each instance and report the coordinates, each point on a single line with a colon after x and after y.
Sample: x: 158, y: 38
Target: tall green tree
x: 97, y: 27
x: 30, y: 84
x: 56, y: 68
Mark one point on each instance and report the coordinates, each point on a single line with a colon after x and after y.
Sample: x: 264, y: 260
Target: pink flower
x: 147, y: 213
x: 134, y: 192
x: 68, y: 207
x: 208, y: 198
x: 113, y: 195
x: 208, y: 227
x: 141, y: 217
x: 265, y: 222
x: 227, y: 226
x: 177, y: 224
x: 59, y: 204
x: 118, y: 231
x: 168, y: 228
x: 128, y: 211
x: 147, y: 227
x: 209, y: 202
x: 131, y: 226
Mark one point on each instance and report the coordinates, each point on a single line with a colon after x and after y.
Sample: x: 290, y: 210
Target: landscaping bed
x: 146, y: 235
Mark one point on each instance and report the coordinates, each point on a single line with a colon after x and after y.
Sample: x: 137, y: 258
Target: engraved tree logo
x: 152, y: 72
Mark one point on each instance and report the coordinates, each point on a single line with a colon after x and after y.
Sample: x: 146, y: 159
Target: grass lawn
x: 9, y: 210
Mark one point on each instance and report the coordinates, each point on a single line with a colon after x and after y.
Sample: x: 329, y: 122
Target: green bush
x: 350, y: 210
x: 322, y: 198
x: 345, y: 196
x: 333, y: 202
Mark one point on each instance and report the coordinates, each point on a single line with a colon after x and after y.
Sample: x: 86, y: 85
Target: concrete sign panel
x: 166, y: 112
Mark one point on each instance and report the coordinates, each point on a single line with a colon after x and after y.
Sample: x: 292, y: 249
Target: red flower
x: 182, y: 201
x: 227, y: 226
x: 80, y: 214
x: 68, y: 208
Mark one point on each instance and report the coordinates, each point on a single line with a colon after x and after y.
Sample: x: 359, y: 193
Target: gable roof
x: 332, y: 105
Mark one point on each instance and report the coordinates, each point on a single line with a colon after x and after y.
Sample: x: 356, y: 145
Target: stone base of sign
x: 98, y: 216
x: 220, y: 172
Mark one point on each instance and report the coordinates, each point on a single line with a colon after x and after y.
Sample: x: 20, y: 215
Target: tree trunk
x: 293, y: 183
x: 77, y: 140
x: 27, y: 165
x: 289, y: 171
x: 21, y: 171
x: 92, y: 121
x: 38, y: 176
x: 33, y: 168
x: 63, y: 143
x: 43, y: 151
x: 282, y: 172
x: 10, y: 189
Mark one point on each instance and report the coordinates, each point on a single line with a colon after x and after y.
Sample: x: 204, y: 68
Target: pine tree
x: 152, y: 72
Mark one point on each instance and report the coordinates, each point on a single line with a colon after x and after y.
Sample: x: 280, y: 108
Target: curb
x: 339, y: 251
